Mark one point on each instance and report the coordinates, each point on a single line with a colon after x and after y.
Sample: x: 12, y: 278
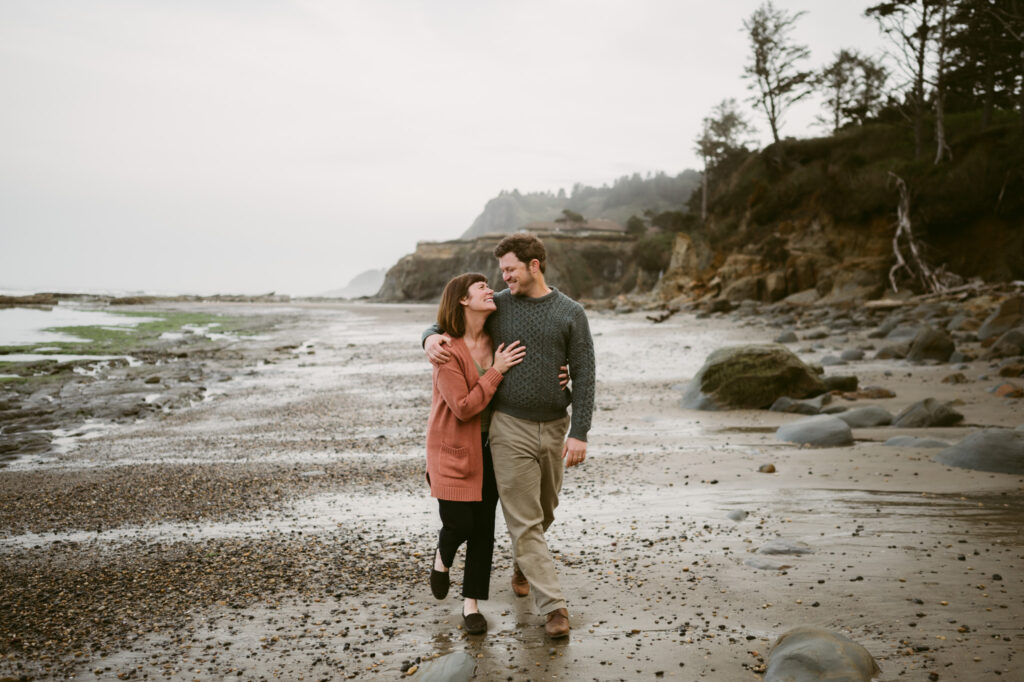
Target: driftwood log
x: 933, y: 280
x: 664, y: 316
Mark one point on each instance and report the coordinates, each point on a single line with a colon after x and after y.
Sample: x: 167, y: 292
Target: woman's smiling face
x: 479, y: 297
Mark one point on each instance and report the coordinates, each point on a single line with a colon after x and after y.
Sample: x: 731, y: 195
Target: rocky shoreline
x: 50, y: 401
x: 283, y: 530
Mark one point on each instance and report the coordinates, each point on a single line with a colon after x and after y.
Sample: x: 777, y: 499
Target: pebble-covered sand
x: 281, y: 528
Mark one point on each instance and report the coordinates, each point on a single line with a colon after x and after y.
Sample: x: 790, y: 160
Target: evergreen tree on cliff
x: 772, y: 71
x: 918, y: 32
x: 721, y: 135
x: 986, y: 64
x: 852, y: 85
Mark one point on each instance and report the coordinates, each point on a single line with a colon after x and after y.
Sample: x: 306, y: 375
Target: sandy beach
x: 280, y: 528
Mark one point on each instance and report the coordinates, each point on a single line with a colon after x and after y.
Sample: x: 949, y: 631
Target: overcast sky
x: 247, y: 146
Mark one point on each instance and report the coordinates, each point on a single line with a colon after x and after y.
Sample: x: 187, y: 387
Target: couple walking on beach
x: 498, y: 423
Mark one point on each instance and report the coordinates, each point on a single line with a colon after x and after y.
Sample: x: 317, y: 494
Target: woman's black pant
x: 472, y: 523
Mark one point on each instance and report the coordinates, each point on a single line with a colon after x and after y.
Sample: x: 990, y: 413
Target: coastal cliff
x: 817, y: 218
x: 809, y: 220
x: 583, y: 266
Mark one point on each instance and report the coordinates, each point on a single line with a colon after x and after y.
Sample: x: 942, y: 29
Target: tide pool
x: 27, y: 326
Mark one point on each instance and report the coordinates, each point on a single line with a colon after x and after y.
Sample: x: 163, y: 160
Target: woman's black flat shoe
x: 439, y: 580
x: 475, y: 623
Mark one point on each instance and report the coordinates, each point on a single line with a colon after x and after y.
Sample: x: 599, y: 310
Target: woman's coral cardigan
x: 455, y: 467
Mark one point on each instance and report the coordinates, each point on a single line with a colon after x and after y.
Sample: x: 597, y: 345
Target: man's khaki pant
x: 528, y: 467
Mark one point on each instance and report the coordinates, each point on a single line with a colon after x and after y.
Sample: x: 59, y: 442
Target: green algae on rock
x: 751, y: 377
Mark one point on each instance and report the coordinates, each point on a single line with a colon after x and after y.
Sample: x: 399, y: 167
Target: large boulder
x: 999, y: 450
x: 1008, y: 315
x: 750, y: 377
x: 927, y: 413
x: 931, y: 344
x: 822, y: 430
x: 813, y: 654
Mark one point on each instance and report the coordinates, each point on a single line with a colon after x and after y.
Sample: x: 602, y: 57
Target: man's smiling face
x: 516, y: 274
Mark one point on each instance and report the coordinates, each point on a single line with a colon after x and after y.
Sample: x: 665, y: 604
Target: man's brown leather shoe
x: 558, y: 623
x: 520, y: 585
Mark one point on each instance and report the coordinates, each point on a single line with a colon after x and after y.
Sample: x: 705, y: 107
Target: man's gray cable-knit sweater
x: 555, y: 330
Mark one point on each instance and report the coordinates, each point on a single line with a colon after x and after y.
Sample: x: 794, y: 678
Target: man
x: 528, y: 428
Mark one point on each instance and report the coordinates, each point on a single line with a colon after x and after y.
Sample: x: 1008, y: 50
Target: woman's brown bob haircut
x: 451, y: 318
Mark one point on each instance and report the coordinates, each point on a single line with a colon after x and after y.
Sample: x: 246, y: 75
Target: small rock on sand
x: 813, y: 654
x: 998, y: 450
x: 867, y: 416
x: 1008, y: 345
x: 766, y: 564
x: 457, y: 666
x: 822, y: 430
x: 915, y: 442
x: 1008, y: 315
x: 927, y: 413
x: 784, y: 546
x: 788, y: 405
x: 931, y: 344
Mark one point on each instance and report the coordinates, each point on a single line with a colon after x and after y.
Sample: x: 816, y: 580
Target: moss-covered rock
x: 751, y: 377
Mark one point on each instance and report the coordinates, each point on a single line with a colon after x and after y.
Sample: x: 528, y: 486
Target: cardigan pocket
x: 453, y: 462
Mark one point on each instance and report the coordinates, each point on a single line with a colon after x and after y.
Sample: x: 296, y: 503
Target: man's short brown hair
x: 525, y: 246
x: 451, y: 318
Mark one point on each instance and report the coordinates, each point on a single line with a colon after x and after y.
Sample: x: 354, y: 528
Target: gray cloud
x: 241, y: 146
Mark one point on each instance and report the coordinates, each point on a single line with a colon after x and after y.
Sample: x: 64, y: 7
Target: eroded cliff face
x: 806, y: 258
x: 813, y: 257
x: 588, y: 266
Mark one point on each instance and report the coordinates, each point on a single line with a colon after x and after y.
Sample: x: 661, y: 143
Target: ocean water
x: 27, y: 326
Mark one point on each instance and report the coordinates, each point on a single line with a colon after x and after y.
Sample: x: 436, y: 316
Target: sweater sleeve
x: 584, y: 375
x: 465, y: 403
x: 429, y: 331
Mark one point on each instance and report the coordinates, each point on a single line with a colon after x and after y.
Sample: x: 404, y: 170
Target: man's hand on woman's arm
x: 435, y: 347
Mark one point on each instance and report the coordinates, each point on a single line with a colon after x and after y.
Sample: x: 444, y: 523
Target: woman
x: 459, y: 468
